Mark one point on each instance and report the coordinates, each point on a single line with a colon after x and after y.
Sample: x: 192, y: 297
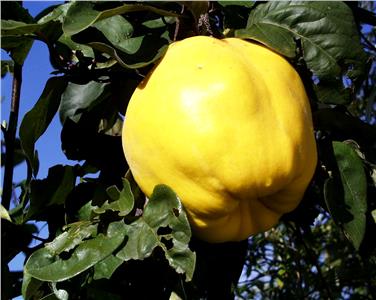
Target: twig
x: 11, y: 136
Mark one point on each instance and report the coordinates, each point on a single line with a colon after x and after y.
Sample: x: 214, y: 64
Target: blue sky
x: 36, y: 71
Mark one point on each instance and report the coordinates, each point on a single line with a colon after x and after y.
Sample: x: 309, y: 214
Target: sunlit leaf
x: 57, y: 14
x: 374, y: 215
x: 163, y: 224
x: 120, y: 201
x: 45, y: 266
x: 69, y: 239
x: 4, y: 213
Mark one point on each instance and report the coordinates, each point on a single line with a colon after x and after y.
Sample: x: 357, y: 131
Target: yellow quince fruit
x: 228, y: 126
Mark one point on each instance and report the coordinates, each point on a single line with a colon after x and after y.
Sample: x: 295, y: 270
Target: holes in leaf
x: 176, y: 212
x: 167, y: 242
x: 164, y: 230
x: 66, y: 254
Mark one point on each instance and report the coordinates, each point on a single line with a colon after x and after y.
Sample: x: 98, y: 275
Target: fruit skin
x: 227, y: 125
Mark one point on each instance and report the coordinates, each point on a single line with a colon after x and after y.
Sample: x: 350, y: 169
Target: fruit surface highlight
x: 227, y: 125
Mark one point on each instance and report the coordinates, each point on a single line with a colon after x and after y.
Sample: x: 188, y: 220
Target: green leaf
x: 79, y: 97
x: 49, y: 27
x: 18, y: 47
x: 82, y: 15
x: 46, y: 266
x: 163, y: 224
x: 4, y: 213
x: 324, y: 29
x: 86, y: 51
x: 79, y: 16
x: 121, y: 201
x: 373, y: 213
x: 17, y: 213
x: 68, y: 240
x: 57, y: 14
x: 248, y: 4
x: 114, y: 36
x: 159, y: 22
x: 346, y: 195
x: 21, y: 31
x: 30, y: 287
x: 149, y: 47
x: 332, y: 92
x: 52, y: 190
x: 105, y: 268
x: 128, y: 50
x: 11, y: 27
x: 85, y: 212
x: 119, y: 32
x: 36, y: 121
x: 112, y: 127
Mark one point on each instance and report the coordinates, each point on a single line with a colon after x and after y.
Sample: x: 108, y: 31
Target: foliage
x: 105, y: 239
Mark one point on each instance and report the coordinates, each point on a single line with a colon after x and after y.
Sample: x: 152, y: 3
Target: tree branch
x: 10, y: 136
